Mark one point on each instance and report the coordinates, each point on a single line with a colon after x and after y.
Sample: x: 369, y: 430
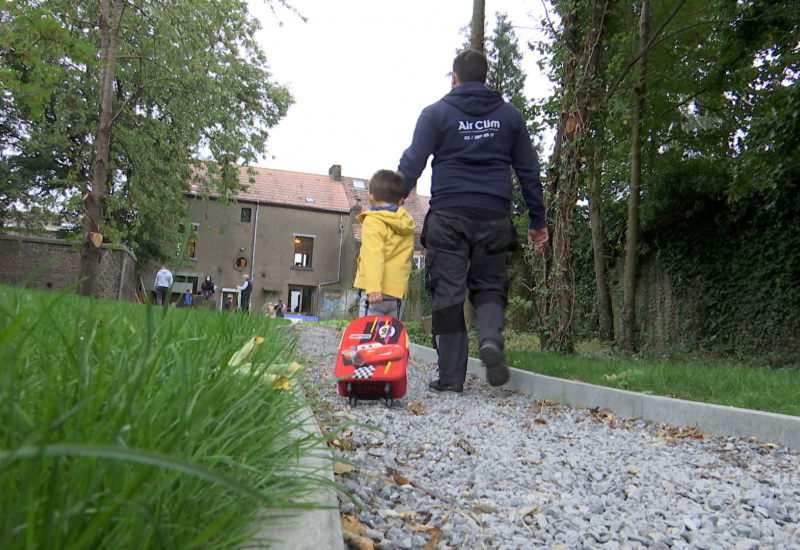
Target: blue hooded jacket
x: 474, y: 136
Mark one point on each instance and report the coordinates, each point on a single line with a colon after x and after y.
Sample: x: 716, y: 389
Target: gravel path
x: 492, y: 468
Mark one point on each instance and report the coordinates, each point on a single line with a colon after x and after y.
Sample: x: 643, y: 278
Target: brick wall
x: 54, y: 264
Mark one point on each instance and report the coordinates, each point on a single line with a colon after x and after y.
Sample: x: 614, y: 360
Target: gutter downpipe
x: 339, y: 268
x: 253, y: 255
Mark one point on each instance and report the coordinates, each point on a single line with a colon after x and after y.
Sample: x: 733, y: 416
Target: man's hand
x: 374, y: 297
x: 538, y: 237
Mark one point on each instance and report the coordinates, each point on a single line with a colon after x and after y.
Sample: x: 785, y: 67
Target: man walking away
x: 475, y: 137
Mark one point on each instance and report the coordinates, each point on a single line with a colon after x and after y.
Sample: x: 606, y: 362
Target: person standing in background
x: 246, y: 289
x: 280, y: 308
x: 162, y: 284
x: 207, y: 289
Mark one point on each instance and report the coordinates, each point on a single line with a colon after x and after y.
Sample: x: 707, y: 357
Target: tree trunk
x: 566, y: 163
x: 94, y: 199
x: 476, y: 41
x: 632, y: 240
x: 594, y: 167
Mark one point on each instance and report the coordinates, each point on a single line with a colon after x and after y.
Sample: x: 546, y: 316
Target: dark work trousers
x: 465, y: 255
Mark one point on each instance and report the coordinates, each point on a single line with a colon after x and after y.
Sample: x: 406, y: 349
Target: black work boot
x: 439, y: 387
x: 496, y: 368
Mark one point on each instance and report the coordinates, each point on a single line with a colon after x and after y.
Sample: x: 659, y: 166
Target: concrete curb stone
x: 779, y: 429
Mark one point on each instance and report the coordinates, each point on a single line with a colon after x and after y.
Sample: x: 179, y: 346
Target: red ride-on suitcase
x: 372, y: 358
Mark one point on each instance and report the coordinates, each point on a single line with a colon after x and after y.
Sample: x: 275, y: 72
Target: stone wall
x: 44, y: 263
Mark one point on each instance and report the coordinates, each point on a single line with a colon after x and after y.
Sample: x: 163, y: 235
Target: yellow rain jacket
x: 387, y: 244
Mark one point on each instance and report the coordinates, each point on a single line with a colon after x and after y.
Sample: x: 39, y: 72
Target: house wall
x: 54, y: 264
x: 266, y: 242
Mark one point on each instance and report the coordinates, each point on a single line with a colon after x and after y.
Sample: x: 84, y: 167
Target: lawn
x: 132, y: 426
x: 698, y: 378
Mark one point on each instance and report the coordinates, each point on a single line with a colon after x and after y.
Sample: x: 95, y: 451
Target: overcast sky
x: 362, y: 70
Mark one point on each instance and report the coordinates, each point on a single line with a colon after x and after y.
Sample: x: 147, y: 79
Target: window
x: 303, y: 246
x: 183, y: 282
x: 240, y: 262
x: 190, y: 241
x: 246, y: 213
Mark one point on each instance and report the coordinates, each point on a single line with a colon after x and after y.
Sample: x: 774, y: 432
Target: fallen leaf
x: 434, y: 540
x: 351, y: 524
x: 484, y: 508
x: 416, y: 408
x: 341, y: 444
x: 465, y: 445
x: 540, y: 420
x: 357, y: 542
x: 422, y: 528
x: 342, y: 468
x: 400, y: 480
x: 532, y: 511
x: 244, y: 353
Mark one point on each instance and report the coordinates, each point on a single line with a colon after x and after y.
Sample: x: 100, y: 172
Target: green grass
x: 698, y: 379
x: 124, y: 426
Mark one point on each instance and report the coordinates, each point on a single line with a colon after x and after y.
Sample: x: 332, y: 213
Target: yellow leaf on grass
x: 244, y: 353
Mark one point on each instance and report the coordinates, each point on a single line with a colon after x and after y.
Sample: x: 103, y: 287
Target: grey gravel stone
x: 491, y: 467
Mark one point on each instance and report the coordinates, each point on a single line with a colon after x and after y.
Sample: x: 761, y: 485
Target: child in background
x: 387, y: 244
x: 187, y: 298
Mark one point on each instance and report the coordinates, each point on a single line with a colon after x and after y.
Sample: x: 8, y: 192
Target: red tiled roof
x: 297, y: 188
x: 293, y: 189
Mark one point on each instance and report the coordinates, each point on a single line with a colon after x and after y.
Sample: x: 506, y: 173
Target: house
x: 293, y: 233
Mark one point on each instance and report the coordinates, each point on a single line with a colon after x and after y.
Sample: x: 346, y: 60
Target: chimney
x: 335, y: 172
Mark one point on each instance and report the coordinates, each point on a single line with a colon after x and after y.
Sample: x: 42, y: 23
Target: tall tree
x: 190, y: 94
x: 92, y: 241
x: 476, y: 41
x: 632, y: 239
x: 582, y: 45
x: 605, y: 310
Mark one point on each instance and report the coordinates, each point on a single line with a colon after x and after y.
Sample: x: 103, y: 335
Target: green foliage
x: 418, y: 293
x: 505, y: 58
x: 734, y: 263
x: 191, y: 84
x: 125, y: 426
x: 704, y: 381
